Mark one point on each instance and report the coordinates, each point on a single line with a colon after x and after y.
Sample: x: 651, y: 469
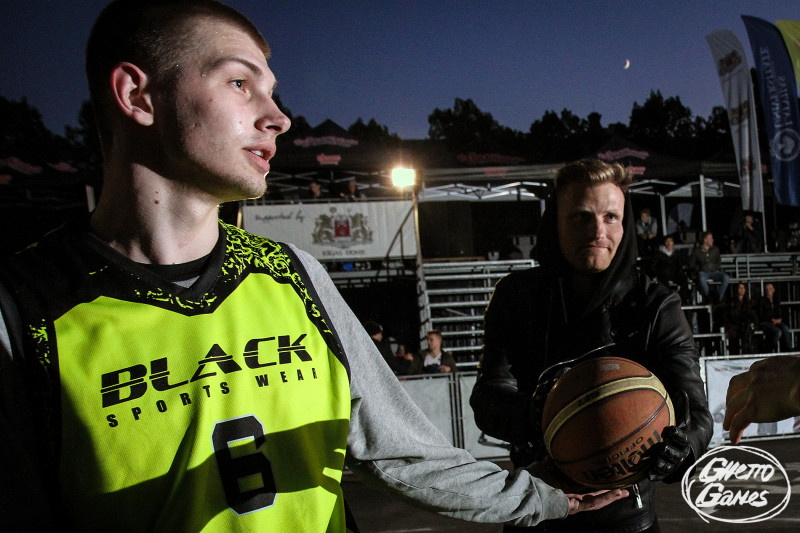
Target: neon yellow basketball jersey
x: 219, y: 407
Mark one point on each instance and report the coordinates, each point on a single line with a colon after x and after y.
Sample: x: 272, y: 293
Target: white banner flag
x: 737, y: 89
x: 338, y: 230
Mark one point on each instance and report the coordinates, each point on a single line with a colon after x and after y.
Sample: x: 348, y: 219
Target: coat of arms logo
x: 342, y: 229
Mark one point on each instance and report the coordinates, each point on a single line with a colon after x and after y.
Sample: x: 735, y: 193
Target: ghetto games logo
x: 737, y: 485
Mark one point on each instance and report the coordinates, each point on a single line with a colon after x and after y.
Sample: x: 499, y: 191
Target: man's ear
x: 131, y: 89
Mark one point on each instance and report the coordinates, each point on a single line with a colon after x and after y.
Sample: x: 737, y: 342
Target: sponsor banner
x: 779, y: 102
x: 338, y: 231
x: 718, y: 374
x: 790, y: 29
x: 737, y: 89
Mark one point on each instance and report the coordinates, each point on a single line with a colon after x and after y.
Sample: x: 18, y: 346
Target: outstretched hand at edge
x: 768, y: 392
x: 594, y: 500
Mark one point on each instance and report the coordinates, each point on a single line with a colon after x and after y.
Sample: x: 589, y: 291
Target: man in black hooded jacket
x: 588, y: 296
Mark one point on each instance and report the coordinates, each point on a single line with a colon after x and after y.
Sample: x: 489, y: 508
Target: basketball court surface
x: 376, y: 512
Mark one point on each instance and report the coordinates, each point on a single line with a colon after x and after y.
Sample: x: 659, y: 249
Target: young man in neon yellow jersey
x: 167, y: 372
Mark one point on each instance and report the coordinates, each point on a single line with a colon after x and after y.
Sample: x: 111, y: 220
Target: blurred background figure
x: 706, y: 261
x: 668, y: 266
x: 646, y: 233
x: 777, y: 335
x: 740, y: 319
x: 747, y: 237
x: 433, y: 359
x: 352, y: 194
x: 375, y: 330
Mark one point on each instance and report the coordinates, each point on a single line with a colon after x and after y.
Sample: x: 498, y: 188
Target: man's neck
x: 154, y: 221
x: 582, y: 288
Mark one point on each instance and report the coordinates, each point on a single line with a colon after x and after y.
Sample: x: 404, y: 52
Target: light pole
x: 403, y: 178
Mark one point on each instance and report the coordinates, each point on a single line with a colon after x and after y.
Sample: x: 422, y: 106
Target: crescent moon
x: 627, y: 64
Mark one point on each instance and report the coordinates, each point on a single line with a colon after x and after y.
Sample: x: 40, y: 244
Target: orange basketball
x: 600, y: 419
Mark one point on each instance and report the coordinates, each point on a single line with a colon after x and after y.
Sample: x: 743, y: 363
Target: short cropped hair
x: 434, y: 332
x: 592, y: 172
x: 154, y: 35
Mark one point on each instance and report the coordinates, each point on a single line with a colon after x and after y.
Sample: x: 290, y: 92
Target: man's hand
x: 579, y: 501
x: 669, y: 454
x: 594, y: 500
x: 768, y: 392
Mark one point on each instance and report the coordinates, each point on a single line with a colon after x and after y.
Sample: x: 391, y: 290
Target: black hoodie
x: 529, y: 326
x: 548, y: 254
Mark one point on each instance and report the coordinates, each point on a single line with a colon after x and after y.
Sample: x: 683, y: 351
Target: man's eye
x: 239, y: 84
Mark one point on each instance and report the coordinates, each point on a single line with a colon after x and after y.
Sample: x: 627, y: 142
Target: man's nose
x: 596, y: 228
x: 272, y: 118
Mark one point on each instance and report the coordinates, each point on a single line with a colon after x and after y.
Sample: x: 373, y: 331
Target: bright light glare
x: 403, y: 177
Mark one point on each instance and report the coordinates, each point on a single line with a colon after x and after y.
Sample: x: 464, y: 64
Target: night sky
x: 396, y: 61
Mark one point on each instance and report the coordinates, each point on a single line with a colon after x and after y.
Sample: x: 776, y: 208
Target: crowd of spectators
x: 751, y: 323
x: 346, y: 191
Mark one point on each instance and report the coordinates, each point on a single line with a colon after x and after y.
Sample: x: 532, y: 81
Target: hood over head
x: 548, y: 252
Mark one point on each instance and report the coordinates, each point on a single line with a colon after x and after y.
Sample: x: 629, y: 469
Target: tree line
x: 661, y: 124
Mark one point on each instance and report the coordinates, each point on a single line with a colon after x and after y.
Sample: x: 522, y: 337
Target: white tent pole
x: 663, y: 206
x: 703, y: 201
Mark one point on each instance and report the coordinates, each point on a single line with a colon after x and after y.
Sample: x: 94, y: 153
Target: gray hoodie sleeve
x: 392, y: 446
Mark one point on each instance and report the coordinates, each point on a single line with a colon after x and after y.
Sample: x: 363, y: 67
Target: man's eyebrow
x: 222, y: 61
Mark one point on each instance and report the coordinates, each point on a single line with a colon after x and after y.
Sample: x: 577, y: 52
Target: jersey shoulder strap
x: 336, y: 344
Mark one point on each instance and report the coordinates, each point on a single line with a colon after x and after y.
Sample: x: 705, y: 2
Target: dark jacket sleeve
x: 449, y: 360
x: 26, y: 505
x: 501, y: 407
x: 674, y: 360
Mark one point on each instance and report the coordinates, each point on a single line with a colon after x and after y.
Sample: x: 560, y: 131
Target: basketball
x: 600, y: 419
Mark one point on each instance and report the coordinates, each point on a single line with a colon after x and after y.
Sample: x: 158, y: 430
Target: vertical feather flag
x: 737, y: 89
x: 779, y: 102
x: 790, y: 29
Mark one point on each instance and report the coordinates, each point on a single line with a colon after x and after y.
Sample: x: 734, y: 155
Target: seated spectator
x: 404, y: 355
x: 433, y: 360
x: 646, y: 233
x: 747, y: 237
x: 314, y: 192
x: 770, y: 318
x: 668, y: 266
x: 740, y: 319
x: 705, y: 261
x: 375, y: 330
x: 352, y: 194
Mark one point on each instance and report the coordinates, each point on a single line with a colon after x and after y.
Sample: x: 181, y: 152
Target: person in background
x: 705, y: 260
x: 748, y: 236
x: 433, y: 359
x: 314, y: 191
x: 740, y: 319
x: 770, y: 316
x: 668, y: 266
x: 646, y: 233
x: 587, y: 296
x: 163, y: 371
x: 403, y: 353
x: 352, y: 194
x: 375, y: 331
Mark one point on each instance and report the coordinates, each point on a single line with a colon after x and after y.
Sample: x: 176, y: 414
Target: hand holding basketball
x: 669, y: 455
x: 601, y: 420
